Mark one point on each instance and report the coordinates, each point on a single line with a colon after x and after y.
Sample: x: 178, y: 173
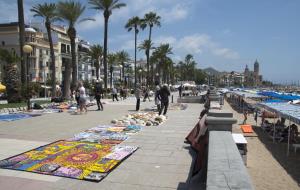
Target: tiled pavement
x: 162, y: 161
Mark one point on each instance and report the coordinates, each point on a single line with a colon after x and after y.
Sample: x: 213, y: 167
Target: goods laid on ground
x: 178, y: 106
x: 172, y: 106
x: 89, y: 155
x: 106, y: 134
x: 78, y: 160
x: 141, y: 119
x: 13, y: 116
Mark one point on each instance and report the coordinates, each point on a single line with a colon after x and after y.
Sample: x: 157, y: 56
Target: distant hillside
x: 211, y: 71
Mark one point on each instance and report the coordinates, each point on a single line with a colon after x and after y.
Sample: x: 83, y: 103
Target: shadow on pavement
x: 196, y: 182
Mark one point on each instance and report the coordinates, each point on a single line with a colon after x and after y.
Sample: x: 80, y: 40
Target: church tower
x: 256, y: 68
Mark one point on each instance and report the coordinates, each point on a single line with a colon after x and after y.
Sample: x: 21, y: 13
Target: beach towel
x: 247, y: 128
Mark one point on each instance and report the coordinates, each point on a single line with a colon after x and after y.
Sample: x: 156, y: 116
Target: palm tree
x: 21, y: 40
x: 150, y: 20
x: 107, y: 6
x: 71, y: 11
x: 146, y: 46
x: 162, y: 53
x: 48, y: 12
x: 11, y: 77
x: 123, y: 57
x: 134, y: 23
x: 96, y: 52
x: 188, y: 67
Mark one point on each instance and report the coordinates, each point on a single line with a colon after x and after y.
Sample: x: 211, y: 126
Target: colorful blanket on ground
x: 13, y: 117
x: 78, y: 160
x: 106, y: 134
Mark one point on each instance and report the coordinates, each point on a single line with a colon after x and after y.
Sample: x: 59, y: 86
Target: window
x: 47, y: 64
x: 63, y: 48
x: 68, y: 49
x: 41, y: 64
x: 41, y: 52
x: 47, y: 52
x: 3, y: 43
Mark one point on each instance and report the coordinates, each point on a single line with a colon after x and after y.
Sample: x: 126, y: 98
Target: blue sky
x: 224, y: 34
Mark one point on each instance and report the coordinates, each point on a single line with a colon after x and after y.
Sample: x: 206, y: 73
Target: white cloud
x: 197, y: 44
x: 226, y: 53
x: 194, y: 43
x: 164, y: 40
x: 177, y: 12
x: 169, y: 10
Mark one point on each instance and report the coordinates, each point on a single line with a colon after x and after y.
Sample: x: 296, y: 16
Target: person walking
x: 164, y: 94
x: 138, y: 93
x: 156, y: 95
x: 245, y: 116
x: 146, y: 94
x: 98, y: 92
x: 114, y: 94
x: 82, y: 99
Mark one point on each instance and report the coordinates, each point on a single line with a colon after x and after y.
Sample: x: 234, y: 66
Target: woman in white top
x: 82, y: 99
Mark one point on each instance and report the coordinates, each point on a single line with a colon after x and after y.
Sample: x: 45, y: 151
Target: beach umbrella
x: 2, y: 87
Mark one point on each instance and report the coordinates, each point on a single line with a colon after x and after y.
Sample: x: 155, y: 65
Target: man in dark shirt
x: 164, y: 94
x: 98, y: 92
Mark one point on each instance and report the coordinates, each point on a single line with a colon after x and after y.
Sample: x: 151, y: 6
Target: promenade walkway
x: 162, y: 161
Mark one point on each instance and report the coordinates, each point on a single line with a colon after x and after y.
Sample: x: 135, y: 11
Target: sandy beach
x: 268, y: 164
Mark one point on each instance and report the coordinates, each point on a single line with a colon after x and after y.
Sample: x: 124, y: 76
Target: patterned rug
x: 13, y: 117
x: 78, y: 160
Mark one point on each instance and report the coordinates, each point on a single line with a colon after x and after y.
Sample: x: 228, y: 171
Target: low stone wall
x: 225, y: 169
x: 220, y: 113
x: 220, y: 123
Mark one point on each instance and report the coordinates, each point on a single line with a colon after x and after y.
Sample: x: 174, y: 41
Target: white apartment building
x: 39, y: 59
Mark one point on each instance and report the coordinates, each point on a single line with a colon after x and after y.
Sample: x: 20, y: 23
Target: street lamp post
x: 27, y: 49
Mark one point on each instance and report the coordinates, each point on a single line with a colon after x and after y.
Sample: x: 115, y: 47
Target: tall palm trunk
x: 53, y: 68
x: 152, y: 73
x: 106, y: 16
x: 148, y: 66
x: 67, y: 79
x: 111, y: 76
x: 72, y: 35
x: 148, y: 56
x: 123, y: 72
x: 97, y: 69
x: 21, y: 40
x: 135, y: 70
